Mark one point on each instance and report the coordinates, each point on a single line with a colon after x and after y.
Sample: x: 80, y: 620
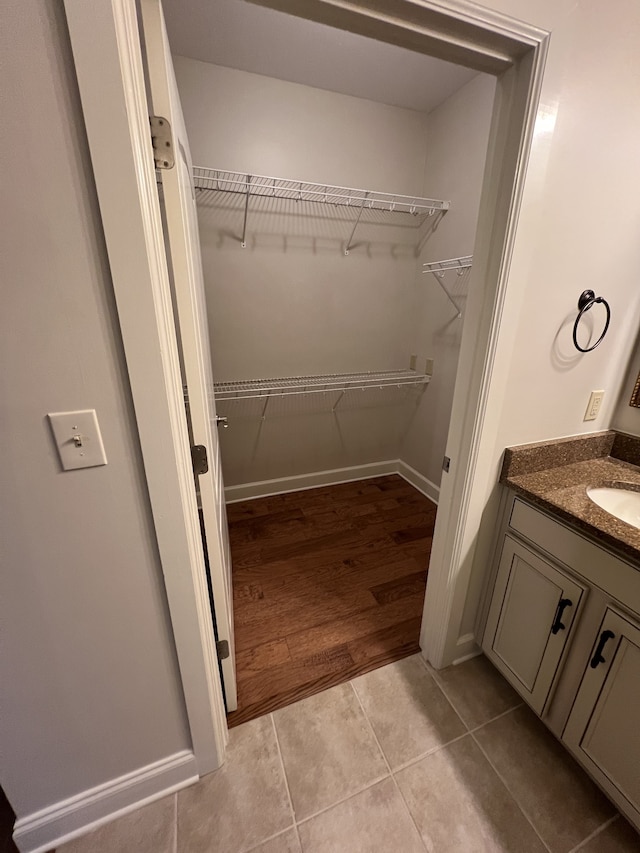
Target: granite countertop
x: 555, y: 475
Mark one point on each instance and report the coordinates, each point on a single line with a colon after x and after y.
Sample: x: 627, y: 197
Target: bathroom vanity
x: 562, y: 613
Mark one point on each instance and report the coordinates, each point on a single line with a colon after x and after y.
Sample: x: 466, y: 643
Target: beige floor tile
x: 559, y: 798
x: 408, y: 711
x: 243, y: 803
x: 477, y: 690
x: 328, y: 749
x: 147, y: 830
x: 374, y: 821
x: 461, y: 806
x: 618, y: 837
x: 287, y: 842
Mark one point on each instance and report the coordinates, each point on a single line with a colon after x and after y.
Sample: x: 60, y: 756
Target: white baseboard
x: 46, y: 829
x: 422, y: 484
x: 281, y: 485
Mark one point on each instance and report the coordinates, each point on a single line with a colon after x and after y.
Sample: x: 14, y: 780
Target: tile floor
x: 401, y: 759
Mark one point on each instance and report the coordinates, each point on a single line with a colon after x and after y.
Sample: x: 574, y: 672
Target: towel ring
x: 587, y: 300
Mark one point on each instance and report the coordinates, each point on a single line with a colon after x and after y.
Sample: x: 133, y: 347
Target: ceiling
x: 239, y: 35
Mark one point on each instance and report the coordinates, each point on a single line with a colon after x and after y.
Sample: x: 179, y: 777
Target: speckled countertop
x: 555, y: 475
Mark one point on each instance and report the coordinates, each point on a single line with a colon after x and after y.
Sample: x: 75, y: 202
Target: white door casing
x: 108, y: 59
x: 188, y: 285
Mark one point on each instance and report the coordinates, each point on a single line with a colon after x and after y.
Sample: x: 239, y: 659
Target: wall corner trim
x: 421, y: 483
x: 61, y: 822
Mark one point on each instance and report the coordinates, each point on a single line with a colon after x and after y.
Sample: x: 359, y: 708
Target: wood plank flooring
x: 328, y: 583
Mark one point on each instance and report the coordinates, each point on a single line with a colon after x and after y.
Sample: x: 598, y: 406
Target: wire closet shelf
x: 342, y: 382
x: 208, y: 180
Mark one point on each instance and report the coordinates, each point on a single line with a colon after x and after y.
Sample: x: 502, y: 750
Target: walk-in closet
x: 337, y: 182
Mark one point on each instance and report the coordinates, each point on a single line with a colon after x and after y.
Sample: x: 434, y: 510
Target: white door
x: 186, y: 264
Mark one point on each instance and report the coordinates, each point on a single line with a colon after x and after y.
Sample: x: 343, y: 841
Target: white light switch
x: 78, y: 438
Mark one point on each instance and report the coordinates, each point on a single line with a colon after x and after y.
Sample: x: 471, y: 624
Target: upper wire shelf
x: 216, y: 180
x: 330, y: 382
x: 439, y: 268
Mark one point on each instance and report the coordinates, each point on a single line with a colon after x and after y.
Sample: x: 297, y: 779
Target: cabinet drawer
x: 602, y: 730
x: 531, y: 617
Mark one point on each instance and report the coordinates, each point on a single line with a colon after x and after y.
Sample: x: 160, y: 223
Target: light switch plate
x: 78, y: 439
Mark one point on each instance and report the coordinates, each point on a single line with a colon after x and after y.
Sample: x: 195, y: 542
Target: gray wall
x: 457, y: 137
x: 585, y: 149
x: 291, y: 303
x: 89, y: 679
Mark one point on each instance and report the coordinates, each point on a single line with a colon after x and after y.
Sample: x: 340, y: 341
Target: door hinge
x: 199, y: 459
x: 446, y: 464
x: 222, y: 648
x: 162, y: 142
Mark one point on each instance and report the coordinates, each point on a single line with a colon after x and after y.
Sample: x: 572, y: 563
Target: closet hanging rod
x: 217, y: 180
x: 294, y: 385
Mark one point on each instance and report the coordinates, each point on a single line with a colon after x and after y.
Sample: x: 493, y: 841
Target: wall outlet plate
x: 593, y: 407
x: 78, y: 439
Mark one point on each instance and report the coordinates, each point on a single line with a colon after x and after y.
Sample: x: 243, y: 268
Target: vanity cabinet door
x: 531, y: 617
x: 603, y: 729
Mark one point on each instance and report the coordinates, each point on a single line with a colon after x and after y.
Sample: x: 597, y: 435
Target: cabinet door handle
x: 597, y: 655
x: 557, y: 621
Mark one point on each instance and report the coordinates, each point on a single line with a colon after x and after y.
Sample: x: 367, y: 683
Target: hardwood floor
x: 328, y: 584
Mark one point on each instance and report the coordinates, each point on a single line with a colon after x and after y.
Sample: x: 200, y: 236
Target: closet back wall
x: 291, y: 303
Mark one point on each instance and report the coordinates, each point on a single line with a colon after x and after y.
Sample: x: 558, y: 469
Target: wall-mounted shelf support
x: 207, y: 181
x: 246, y: 213
x: 335, y: 405
x: 439, y: 268
x: 355, y: 224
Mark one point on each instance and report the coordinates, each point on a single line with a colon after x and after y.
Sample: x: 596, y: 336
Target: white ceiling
x: 240, y: 35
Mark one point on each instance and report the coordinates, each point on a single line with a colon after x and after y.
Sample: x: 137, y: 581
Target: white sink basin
x: 621, y: 502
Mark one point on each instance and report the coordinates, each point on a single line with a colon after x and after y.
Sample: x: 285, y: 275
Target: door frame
x: 105, y: 39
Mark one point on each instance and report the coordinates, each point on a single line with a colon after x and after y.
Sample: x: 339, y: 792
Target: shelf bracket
x: 264, y: 408
x: 439, y: 279
x: 246, y: 213
x: 355, y: 225
x: 335, y: 405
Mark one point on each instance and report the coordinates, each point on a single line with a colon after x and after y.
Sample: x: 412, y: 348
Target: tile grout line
x: 344, y: 799
x: 497, y: 717
x: 286, y: 785
x: 284, y: 770
x: 594, y: 834
x: 428, y: 753
x: 470, y: 729
x: 391, y: 772
x: 444, y: 693
x: 175, y: 822
x: 508, y: 790
x: 270, y: 838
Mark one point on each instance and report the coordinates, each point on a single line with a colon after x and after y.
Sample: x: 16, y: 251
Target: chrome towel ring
x: 587, y: 300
